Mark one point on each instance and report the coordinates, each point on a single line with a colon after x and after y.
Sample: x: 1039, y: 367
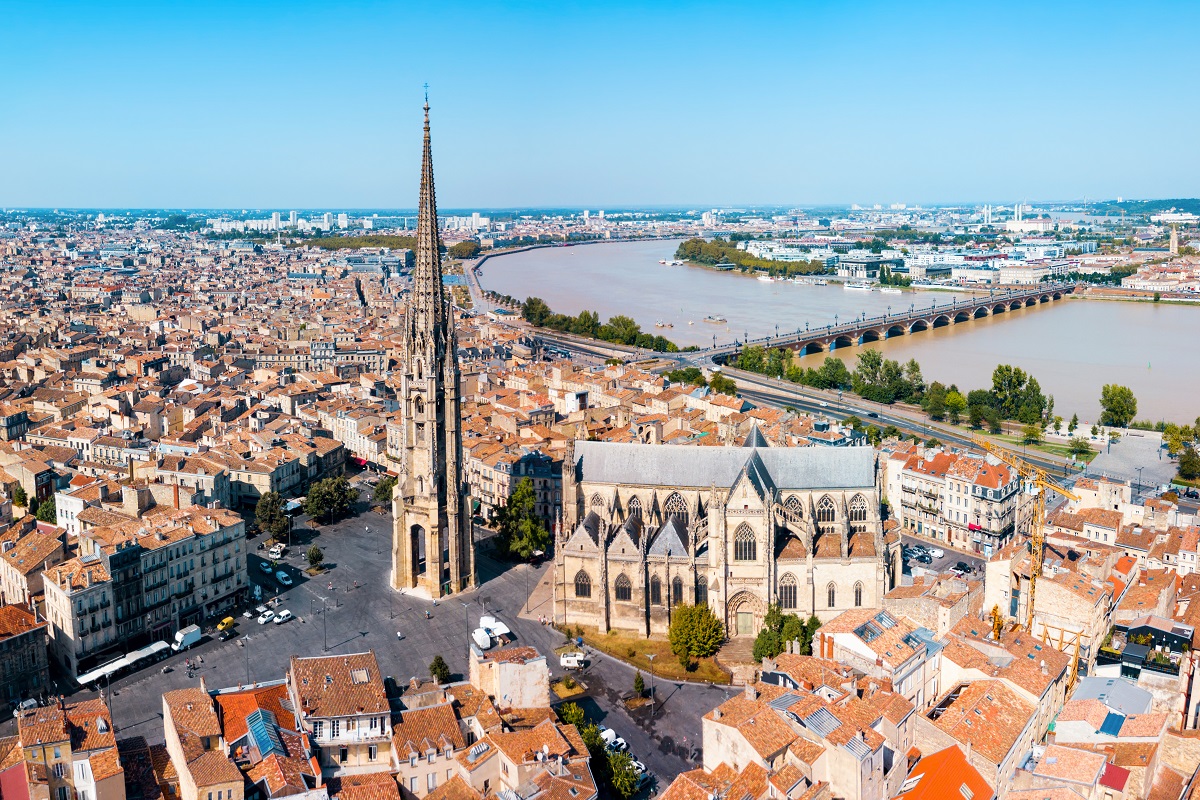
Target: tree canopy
x: 465, y: 249
x: 268, y: 513
x: 695, y: 631
x: 619, y: 329
x: 521, y: 530
x: 1119, y: 404
x: 330, y: 498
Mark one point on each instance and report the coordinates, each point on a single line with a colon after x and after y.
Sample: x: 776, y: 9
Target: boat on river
x: 716, y: 319
x: 858, y: 287
x: 889, y: 290
x: 766, y: 279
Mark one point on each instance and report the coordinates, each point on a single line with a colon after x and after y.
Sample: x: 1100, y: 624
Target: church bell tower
x: 433, y: 548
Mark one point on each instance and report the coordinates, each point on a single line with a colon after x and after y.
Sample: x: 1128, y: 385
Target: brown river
x: 1072, y: 347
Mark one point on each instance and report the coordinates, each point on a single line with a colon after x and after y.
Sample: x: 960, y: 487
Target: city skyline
x: 301, y: 106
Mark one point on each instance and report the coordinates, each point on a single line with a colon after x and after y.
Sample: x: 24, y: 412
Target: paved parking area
x: 347, y: 619
x: 946, y: 562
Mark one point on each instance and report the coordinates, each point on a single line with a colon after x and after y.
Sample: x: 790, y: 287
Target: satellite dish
x: 546, y: 749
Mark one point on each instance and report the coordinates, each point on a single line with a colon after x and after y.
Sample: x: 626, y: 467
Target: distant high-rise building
x: 586, y: 214
x: 600, y: 214
x: 292, y: 218
x: 343, y: 221
x: 274, y: 220
x: 327, y: 221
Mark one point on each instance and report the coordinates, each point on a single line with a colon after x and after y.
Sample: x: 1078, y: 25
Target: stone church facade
x: 433, y: 550
x: 649, y: 527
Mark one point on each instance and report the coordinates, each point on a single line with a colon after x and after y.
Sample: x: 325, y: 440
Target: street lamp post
x: 324, y: 626
x: 651, y: 656
x: 1139, y: 479
x: 467, y: 629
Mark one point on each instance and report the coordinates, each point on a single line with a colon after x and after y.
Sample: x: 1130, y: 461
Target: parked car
x: 612, y: 741
x: 923, y: 558
x: 266, y: 617
x: 265, y: 566
x: 937, y: 552
x: 226, y: 624
x: 283, y: 578
x: 964, y: 567
x: 24, y: 705
x: 283, y: 616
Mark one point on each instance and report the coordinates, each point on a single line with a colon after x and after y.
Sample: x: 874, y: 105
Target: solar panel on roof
x: 782, y: 702
x: 1112, y: 724
x: 264, y: 732
x: 822, y: 722
x: 885, y: 619
x: 868, y: 632
x: 858, y: 748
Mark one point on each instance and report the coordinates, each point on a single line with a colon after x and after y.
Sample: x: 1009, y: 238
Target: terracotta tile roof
x: 423, y: 729
x: 338, y: 686
x: 942, y: 774
x: 989, y: 716
x: 236, y: 706
x: 454, y: 789
x: 1069, y: 764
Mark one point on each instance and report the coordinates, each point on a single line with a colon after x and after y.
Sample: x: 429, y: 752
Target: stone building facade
x: 649, y: 527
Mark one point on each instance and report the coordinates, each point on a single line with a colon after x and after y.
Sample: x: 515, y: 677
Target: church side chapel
x: 650, y: 527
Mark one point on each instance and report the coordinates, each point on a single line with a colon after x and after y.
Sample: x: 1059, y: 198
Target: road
x: 350, y: 609
x: 944, y: 563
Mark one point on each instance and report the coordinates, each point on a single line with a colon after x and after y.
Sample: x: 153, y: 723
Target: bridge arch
x: 812, y: 347
x: 1015, y: 304
x: 1057, y: 295
x: 962, y: 316
x: 1030, y: 301
x: 845, y: 340
x: 941, y: 320
x: 873, y: 335
x: 981, y: 312
x: 896, y: 330
x: 918, y: 325
x: 1000, y: 309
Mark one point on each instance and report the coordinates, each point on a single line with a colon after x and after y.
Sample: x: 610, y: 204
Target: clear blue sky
x: 317, y: 104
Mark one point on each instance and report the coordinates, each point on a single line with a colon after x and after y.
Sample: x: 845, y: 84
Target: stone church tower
x: 432, y: 546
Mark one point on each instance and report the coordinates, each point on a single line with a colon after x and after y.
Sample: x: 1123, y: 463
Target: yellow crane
x: 1037, y: 482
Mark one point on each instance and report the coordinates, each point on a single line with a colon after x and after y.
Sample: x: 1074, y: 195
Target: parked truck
x: 572, y: 660
x: 186, y: 637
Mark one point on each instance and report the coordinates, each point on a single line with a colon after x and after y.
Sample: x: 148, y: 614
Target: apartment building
x: 24, y: 671
x: 341, y: 704
x: 70, y: 750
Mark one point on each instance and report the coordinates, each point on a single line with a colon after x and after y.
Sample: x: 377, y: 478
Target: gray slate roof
x: 1118, y: 694
x: 699, y: 467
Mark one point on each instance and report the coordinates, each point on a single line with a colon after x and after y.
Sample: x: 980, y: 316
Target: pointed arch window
x: 858, y: 514
x: 794, y: 506
x: 676, y: 509
x: 787, y: 591
x: 419, y: 405
x: 826, y: 510
x: 858, y: 591
x: 624, y: 591
x: 583, y: 584
x: 701, y: 593
x: 635, y: 507
x: 677, y: 591
x: 745, y: 548
x: 597, y: 503
x: 655, y: 591
x: 831, y: 595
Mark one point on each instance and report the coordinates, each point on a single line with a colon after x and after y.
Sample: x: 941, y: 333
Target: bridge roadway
x: 869, y: 329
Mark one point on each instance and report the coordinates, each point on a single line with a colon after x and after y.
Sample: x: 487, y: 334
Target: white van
x: 277, y: 551
x: 572, y: 661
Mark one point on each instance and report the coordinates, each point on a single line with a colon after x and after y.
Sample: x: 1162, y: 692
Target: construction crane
x: 1038, y: 483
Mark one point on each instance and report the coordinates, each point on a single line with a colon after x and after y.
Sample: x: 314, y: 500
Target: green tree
x: 623, y: 776
x: 1189, y: 464
x: 439, y: 669
x: 571, y: 714
x: 383, y: 489
x: 688, y: 375
x: 956, y: 404
x: 521, y: 530
x: 1119, y: 404
x: 535, y: 311
x: 315, y: 557
x: 695, y: 631
x: 722, y: 384
x: 993, y: 420
x: 1095, y: 430
x: 976, y: 415
x: 1008, y: 387
x: 268, y: 513
x: 329, y: 498
x: 1032, y: 434
x: 20, y: 498
x: 622, y: 329
x: 935, y: 401
x: 466, y: 249
x: 1073, y: 424
x: 639, y: 684
x: 1079, y: 446
x: 47, y: 510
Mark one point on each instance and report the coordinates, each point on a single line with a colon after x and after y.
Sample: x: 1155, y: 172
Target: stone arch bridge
x: 871, y: 329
